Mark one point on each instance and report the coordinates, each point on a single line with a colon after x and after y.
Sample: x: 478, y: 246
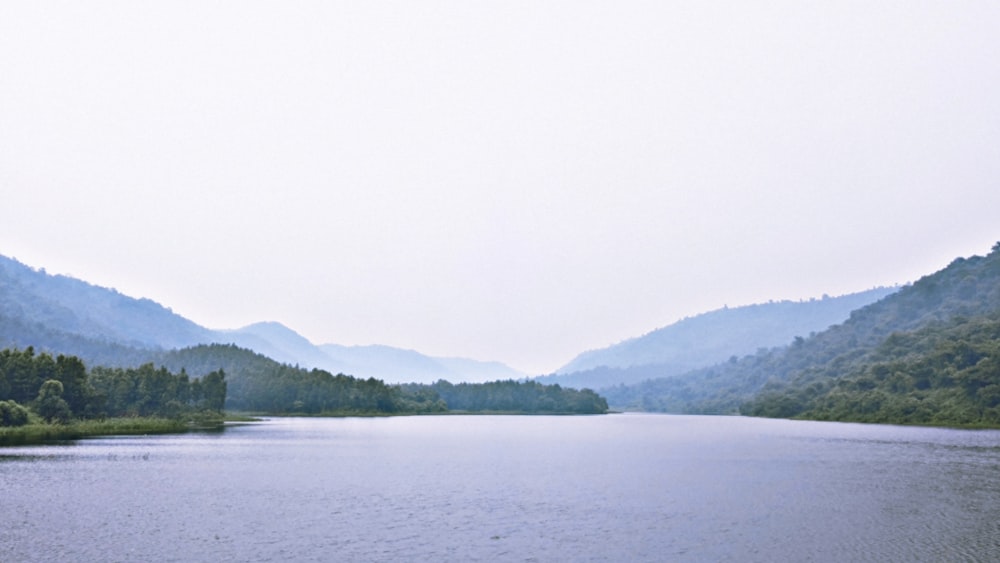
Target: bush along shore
x: 43, y: 432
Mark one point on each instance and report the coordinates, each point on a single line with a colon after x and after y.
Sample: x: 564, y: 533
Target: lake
x: 637, y: 487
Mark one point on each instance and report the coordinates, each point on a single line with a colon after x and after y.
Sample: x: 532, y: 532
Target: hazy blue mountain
x: 604, y: 377
x: 20, y: 333
x: 277, y: 342
x: 70, y: 306
x: 386, y: 362
x: 60, y: 314
x: 397, y: 365
x: 708, y: 339
x: 479, y: 371
x: 713, y: 337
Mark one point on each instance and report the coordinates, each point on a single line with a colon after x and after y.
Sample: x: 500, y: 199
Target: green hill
x: 708, y: 339
x: 926, y: 354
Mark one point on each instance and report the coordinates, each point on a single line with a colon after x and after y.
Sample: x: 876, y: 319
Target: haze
x: 512, y: 181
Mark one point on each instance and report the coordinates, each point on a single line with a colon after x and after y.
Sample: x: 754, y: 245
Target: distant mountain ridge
x: 71, y: 306
x: 710, y: 338
x: 419, y: 368
x: 61, y: 314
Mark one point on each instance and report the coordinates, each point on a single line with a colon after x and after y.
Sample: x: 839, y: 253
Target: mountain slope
x: 465, y: 369
x: 708, y: 339
x: 964, y: 294
x: 941, y: 373
x: 397, y: 365
x: 277, y: 342
x: 71, y: 306
x: 63, y: 315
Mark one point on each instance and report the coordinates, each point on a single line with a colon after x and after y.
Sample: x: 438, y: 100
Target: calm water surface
x: 509, y: 488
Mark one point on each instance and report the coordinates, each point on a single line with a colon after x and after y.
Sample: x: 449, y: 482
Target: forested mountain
x: 708, y: 339
x: 260, y: 384
x: 927, y: 353
x: 943, y: 373
x: 64, y: 305
x: 272, y: 369
x: 21, y: 333
x: 63, y: 315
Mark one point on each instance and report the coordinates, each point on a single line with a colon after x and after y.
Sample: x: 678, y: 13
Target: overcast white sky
x: 512, y: 181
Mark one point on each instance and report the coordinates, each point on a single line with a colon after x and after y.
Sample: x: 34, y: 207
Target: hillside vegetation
x: 944, y: 373
x: 926, y: 354
x: 708, y: 339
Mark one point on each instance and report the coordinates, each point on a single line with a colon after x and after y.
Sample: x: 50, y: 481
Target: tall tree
x: 213, y: 388
x: 50, y: 404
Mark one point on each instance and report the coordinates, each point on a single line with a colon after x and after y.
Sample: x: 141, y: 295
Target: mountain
x: 929, y: 353
x: 277, y: 342
x: 64, y: 315
x: 398, y: 365
x: 479, y: 370
x: 69, y: 306
x: 708, y: 339
x: 715, y: 336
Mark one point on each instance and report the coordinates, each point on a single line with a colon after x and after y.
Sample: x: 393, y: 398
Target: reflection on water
x: 618, y: 487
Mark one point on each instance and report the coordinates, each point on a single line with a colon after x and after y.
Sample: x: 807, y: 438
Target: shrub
x: 12, y: 414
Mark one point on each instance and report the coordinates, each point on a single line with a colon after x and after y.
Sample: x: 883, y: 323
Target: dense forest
x: 944, y: 373
x: 926, y: 354
x: 61, y: 389
x: 508, y: 396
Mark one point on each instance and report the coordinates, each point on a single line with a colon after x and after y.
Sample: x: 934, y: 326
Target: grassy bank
x: 40, y: 433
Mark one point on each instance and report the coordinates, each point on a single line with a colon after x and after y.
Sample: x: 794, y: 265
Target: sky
x: 499, y: 180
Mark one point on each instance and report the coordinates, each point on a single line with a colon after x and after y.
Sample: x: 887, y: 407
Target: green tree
x: 20, y: 369
x: 71, y: 372
x: 12, y: 414
x: 4, y: 385
x: 50, y: 404
x: 213, y: 389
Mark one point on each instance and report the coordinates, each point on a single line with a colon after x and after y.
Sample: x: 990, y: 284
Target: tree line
x: 59, y: 389
x: 510, y: 396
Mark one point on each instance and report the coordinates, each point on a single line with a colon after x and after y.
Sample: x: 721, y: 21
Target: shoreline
x: 43, y: 433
